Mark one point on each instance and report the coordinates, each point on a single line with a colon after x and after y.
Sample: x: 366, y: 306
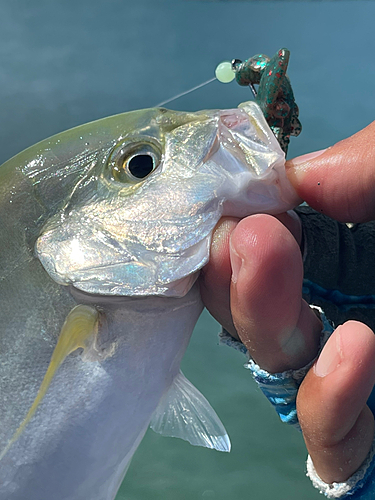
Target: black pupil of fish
x: 141, y: 165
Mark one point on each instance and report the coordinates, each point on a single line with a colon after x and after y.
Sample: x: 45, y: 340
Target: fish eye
x: 140, y: 166
x: 132, y: 162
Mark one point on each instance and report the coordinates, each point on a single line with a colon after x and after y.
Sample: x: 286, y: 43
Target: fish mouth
x: 248, y: 139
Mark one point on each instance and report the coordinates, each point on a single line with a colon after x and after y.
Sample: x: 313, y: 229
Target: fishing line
x: 224, y: 73
x: 186, y: 92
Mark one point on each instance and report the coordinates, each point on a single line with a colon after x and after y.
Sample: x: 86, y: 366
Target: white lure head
x: 139, y: 208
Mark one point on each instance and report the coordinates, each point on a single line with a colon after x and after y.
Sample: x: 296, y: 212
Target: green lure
x: 274, y: 94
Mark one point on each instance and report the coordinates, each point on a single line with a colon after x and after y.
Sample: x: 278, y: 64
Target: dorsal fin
x: 79, y: 326
x: 185, y: 413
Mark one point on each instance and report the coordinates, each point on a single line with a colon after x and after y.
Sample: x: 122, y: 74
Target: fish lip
x: 174, y: 289
x: 232, y: 118
x: 83, y: 296
x: 177, y: 288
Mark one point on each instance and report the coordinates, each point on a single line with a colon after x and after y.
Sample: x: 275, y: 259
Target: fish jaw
x: 150, y: 238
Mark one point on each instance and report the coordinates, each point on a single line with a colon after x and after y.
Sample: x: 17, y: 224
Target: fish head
x: 132, y: 200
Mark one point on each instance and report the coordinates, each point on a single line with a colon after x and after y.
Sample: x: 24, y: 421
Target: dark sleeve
x: 339, y: 267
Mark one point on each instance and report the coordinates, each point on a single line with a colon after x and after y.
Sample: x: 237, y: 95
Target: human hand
x: 252, y: 286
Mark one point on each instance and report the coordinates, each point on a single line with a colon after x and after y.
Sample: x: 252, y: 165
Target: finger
x: 337, y: 425
x: 216, y: 275
x: 275, y: 324
x: 339, y: 181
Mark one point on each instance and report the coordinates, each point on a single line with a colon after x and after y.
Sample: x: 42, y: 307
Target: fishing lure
x: 274, y: 94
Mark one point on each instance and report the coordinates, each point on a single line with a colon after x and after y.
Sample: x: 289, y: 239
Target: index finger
x: 339, y: 181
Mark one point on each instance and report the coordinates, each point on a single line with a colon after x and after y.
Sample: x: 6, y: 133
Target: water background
x: 65, y: 62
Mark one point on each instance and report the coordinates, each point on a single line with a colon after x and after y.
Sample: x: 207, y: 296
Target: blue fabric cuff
x: 280, y: 388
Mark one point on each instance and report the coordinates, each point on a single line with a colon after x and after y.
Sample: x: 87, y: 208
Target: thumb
x: 339, y: 181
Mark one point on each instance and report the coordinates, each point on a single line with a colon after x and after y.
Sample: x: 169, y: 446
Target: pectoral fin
x: 185, y: 413
x: 80, y: 326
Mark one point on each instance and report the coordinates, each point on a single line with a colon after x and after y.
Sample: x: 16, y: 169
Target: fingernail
x: 236, y: 262
x: 296, y: 162
x: 331, y: 356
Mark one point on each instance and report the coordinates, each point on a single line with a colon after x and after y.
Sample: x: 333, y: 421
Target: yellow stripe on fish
x: 80, y: 326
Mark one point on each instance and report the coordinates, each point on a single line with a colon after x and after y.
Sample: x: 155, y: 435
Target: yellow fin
x: 80, y: 325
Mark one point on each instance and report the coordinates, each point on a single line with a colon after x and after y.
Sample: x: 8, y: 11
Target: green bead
x: 224, y: 72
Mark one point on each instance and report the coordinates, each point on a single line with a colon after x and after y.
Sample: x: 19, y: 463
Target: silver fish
x: 103, y: 231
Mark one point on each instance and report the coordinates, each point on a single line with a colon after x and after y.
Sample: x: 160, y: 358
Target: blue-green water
x: 66, y: 62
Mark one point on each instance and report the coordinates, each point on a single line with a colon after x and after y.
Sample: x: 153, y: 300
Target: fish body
x: 103, y: 231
